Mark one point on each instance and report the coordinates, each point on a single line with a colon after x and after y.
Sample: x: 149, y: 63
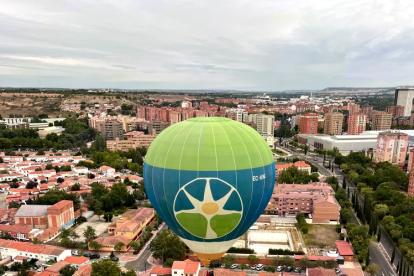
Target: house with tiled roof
x: 128, y: 228
x: 41, y: 252
x: 57, y: 266
x: 320, y: 271
x: 186, y: 268
x: 76, y: 261
x: 301, y: 165
x: 85, y: 270
x: 159, y: 270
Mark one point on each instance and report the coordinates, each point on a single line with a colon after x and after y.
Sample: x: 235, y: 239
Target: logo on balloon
x: 208, y: 208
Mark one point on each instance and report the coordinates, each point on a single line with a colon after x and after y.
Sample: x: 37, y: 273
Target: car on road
x: 75, y: 253
x: 87, y: 255
x: 114, y: 259
x: 95, y: 256
x: 289, y: 269
x: 279, y: 268
x: 259, y: 267
x: 148, y: 246
x: 233, y: 266
x: 106, y: 258
x: 253, y: 267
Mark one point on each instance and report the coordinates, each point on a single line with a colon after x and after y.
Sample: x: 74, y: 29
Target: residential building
x: 356, y: 123
x: 301, y: 165
x: 239, y: 115
x: 111, y: 129
x: 157, y: 126
x: 320, y: 271
x: 127, y: 228
x: 353, y: 108
x: 333, y: 123
x: 123, y: 145
x: 381, y: 120
x: 404, y: 97
x: 367, y: 110
x: 42, y: 252
x: 185, y: 268
x: 265, y: 123
x: 318, y: 202
x: 392, y: 147
x: 308, y: 123
x: 395, y: 110
x: 410, y: 191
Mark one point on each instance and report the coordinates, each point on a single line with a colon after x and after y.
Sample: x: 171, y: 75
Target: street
x: 141, y: 263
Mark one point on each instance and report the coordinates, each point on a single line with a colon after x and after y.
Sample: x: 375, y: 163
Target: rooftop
x: 32, y: 210
x: 344, y: 248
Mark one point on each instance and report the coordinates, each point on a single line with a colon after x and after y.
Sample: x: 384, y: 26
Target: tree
x: 108, y: 217
x: 169, y: 262
x: 167, y: 245
x: 346, y: 215
x: 73, y: 235
x: 67, y: 270
x: 118, y: 246
x: 66, y: 242
x: 318, y: 263
x: 135, y: 245
x: 287, y: 261
x: 75, y: 187
x: 367, y: 259
x: 379, y: 234
x: 252, y: 259
x: 245, y: 266
x: 304, y: 262
x: 94, y: 245
x: 99, y: 212
x: 89, y: 233
x: 36, y: 241
x: 229, y: 259
x: 393, y: 255
x: 40, y: 152
x: 105, y: 268
x: 270, y: 268
x: 372, y: 269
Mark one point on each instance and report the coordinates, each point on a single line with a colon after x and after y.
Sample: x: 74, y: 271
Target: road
x: 141, y: 263
x: 376, y: 254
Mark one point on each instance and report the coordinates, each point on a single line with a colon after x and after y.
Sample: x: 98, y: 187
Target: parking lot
x: 100, y: 226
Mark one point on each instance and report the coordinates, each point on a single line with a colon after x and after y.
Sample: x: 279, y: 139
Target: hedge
x: 240, y: 250
x: 284, y: 252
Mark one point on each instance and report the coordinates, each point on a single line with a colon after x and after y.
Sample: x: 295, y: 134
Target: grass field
x: 279, y: 152
x: 321, y: 235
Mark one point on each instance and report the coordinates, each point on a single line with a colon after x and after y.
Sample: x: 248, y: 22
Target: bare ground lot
x: 321, y: 235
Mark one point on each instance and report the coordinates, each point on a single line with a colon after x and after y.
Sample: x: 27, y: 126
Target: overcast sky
x: 206, y: 44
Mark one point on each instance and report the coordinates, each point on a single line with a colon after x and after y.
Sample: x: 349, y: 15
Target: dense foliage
x: 279, y: 251
x: 295, y: 175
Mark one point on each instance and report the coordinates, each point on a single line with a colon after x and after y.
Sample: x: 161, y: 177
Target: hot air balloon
x: 209, y: 179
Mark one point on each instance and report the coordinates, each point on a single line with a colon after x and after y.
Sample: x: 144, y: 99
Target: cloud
x: 207, y: 44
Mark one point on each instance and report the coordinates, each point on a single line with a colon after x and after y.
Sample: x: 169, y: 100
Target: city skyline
x: 232, y: 45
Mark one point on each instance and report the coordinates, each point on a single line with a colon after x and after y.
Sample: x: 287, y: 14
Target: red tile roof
x: 179, y: 265
x: 85, y: 270
x: 314, y: 257
x: 76, y: 260
x: 159, y: 270
x: 60, y: 204
x: 344, y: 248
x: 57, y: 266
x: 320, y: 271
x: 192, y: 267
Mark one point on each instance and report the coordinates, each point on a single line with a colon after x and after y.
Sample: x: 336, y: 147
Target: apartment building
x: 356, y: 123
x: 333, y: 123
x: 367, y: 110
x: 316, y: 200
x: 157, y: 127
x: 301, y: 165
x: 308, y: 123
x: 392, y: 147
x: 395, y: 110
x: 353, y: 108
x: 111, y: 129
x: 381, y: 120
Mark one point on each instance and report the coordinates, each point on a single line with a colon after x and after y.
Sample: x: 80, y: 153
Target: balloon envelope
x: 209, y: 179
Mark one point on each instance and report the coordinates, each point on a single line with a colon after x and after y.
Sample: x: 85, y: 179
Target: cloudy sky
x: 206, y: 44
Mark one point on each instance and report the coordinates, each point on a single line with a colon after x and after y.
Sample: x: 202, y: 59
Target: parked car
x: 148, y: 246
x: 233, y: 266
x: 105, y: 258
x: 253, y: 267
x: 95, y: 256
x: 75, y: 253
x: 298, y: 270
x: 114, y: 259
x: 289, y: 269
x: 337, y: 270
x: 279, y: 268
x: 259, y: 267
x: 87, y: 255
x: 223, y: 266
